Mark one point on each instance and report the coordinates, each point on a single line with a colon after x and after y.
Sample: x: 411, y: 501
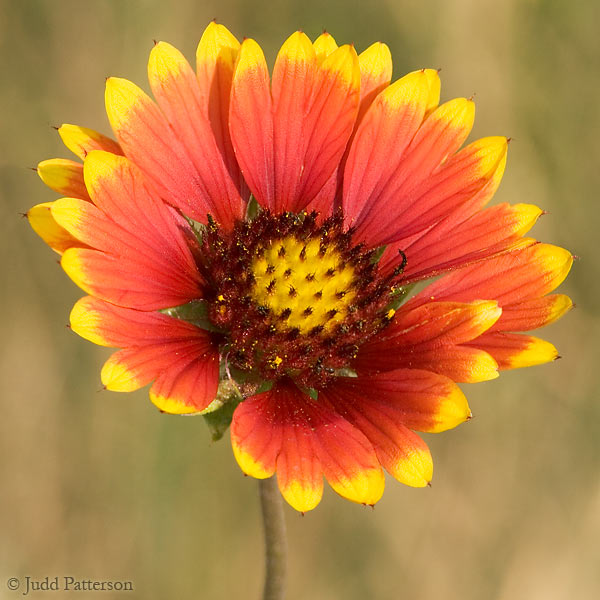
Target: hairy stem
x: 275, y: 539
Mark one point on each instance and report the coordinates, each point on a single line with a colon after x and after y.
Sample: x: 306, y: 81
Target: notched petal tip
x: 250, y: 58
x: 415, y: 470
x: 171, y: 406
x: 302, y: 498
x: 343, y: 64
x: 217, y: 44
x: 453, y: 410
x: 419, y: 88
x: 324, y: 45
x: 164, y: 63
x: 116, y: 377
x: 248, y: 464
x: 43, y: 223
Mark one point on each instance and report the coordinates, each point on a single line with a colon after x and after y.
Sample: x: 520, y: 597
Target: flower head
x: 255, y: 236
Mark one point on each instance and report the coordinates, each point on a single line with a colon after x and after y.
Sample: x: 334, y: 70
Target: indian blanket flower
x: 253, y: 237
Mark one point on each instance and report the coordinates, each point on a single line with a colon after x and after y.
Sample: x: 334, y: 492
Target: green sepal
x: 197, y: 228
x: 377, y: 254
x: 399, y: 295
x: 314, y: 394
x: 195, y: 312
x: 225, y: 403
x: 252, y: 209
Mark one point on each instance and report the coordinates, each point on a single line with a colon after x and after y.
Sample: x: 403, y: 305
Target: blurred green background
x: 100, y: 485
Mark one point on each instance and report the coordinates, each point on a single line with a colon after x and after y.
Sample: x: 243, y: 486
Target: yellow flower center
x: 304, y: 284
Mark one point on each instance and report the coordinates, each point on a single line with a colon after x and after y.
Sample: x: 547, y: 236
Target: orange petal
x: 285, y: 431
x: 188, y: 386
x: 314, y: 110
x: 81, y: 140
x: 430, y: 337
x: 512, y: 277
x: 448, y: 244
x: 43, y: 223
x: 216, y: 56
x: 63, y: 176
x: 251, y: 121
x: 148, y: 140
x: 375, y: 74
x: 383, y: 136
x: 533, y: 313
x: 400, y: 451
x: 324, y: 45
x: 177, y: 92
x: 514, y: 350
x: 417, y: 399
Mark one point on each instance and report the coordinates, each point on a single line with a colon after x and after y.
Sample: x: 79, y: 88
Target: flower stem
x: 275, y: 539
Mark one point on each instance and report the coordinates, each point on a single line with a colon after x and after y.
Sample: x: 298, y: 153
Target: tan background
x: 100, y: 485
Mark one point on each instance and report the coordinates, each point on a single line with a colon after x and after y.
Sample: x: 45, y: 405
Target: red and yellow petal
x: 439, y: 137
x: 143, y: 276
x: 299, y: 470
x: 106, y: 324
x: 120, y: 191
x: 146, y: 137
x: 420, y: 400
x: 256, y: 436
x: 332, y: 113
x: 347, y: 457
x: 442, y: 323
x: 137, y: 226
x: 294, y: 77
x: 383, y: 136
x: 515, y: 350
x: 375, y: 74
x: 400, y: 451
x: 460, y: 363
x: 43, y: 223
x: 251, y: 121
x: 314, y: 110
x: 177, y: 92
x: 94, y: 229
x: 188, y: 387
x: 533, y: 313
x: 215, y: 63
x: 81, y: 140
x: 434, y: 324
x: 430, y: 337
x: 421, y: 200
x: 130, y: 369
x: 63, y: 176
x: 285, y: 431
x: 186, y: 373
x: 509, y: 278
x: 124, y: 281
x: 324, y: 45
x: 449, y: 245
x: 179, y: 356
x: 466, y: 177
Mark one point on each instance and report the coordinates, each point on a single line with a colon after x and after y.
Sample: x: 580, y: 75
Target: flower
x: 256, y: 236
